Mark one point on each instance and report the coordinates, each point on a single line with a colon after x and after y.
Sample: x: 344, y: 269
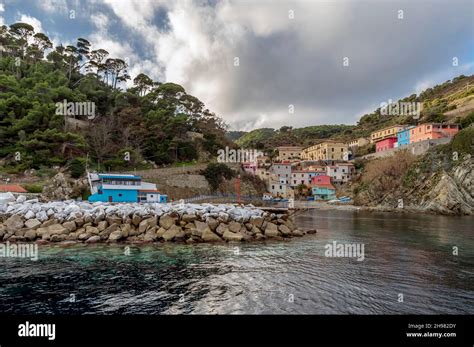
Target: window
x: 281, y: 188
x: 120, y: 194
x: 273, y: 187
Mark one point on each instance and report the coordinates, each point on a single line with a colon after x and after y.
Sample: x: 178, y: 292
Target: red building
x: 385, y: 144
x: 321, y: 180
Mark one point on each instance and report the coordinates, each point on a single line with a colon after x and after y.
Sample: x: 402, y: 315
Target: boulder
x: 234, y: 227
x: 311, y: 231
x: 209, y: 236
x: 102, y: 225
x: 104, y: 235
x: 271, y: 230
x: 57, y: 229
x: 14, y: 223
x: 188, y: 218
x: 49, y: 222
x: 58, y: 238
x: 230, y: 236
x: 127, y: 230
x: 93, y: 239
x: 113, y: 220
x: 160, y: 232
x: 166, y: 221
x: 136, y: 219
x: 297, y: 232
x: 172, y: 232
x: 92, y: 230
x: 212, y: 223
x: 221, y: 229
x: 284, y: 230
x: 84, y: 236
x: 115, y: 235
x: 70, y: 226
x: 30, y: 235
x: 257, y: 221
x: 32, y: 224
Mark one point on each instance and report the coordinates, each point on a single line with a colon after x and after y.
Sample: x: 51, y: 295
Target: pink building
x: 251, y: 168
x: 321, y: 180
x: 385, y: 144
x: 431, y: 131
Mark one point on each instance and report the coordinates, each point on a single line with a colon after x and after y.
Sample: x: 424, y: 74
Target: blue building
x: 403, y: 136
x: 122, y: 188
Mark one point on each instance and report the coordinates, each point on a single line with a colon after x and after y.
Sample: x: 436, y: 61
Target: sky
x: 265, y: 63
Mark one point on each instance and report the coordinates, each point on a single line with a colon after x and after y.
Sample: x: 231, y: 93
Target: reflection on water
x: 404, y: 254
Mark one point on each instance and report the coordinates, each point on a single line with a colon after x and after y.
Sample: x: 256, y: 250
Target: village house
x: 403, y: 136
x: 122, y: 188
x: 327, y: 150
x: 341, y: 172
x: 282, y: 170
x: 288, y: 152
x: 322, y: 189
x: 388, y: 132
x: 278, y: 188
x: 431, y: 131
x: 385, y: 144
x: 303, y: 177
x: 250, y: 168
x: 361, y: 141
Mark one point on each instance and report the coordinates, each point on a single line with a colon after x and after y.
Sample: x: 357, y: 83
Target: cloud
x: 289, y: 52
x: 34, y: 22
x: 53, y: 6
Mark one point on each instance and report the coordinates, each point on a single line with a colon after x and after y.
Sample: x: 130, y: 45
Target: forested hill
x: 451, y: 101
x: 115, y: 128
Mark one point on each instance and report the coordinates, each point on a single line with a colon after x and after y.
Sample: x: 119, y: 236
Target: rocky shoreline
x: 62, y: 221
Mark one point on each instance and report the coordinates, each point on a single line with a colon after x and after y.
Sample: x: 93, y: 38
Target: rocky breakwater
x: 30, y: 220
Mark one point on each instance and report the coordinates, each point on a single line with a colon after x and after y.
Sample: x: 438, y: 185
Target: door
x: 110, y: 198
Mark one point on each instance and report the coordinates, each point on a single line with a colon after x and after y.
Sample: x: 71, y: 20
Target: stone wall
x: 102, y: 222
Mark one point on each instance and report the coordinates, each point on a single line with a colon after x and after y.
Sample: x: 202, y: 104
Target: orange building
x: 431, y: 131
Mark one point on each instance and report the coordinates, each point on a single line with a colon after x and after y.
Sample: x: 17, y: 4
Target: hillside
x: 63, y: 106
x: 451, y: 101
x: 268, y: 138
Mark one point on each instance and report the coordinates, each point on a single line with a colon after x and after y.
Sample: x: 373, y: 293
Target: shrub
x: 215, y: 173
x: 33, y: 188
x: 77, y: 167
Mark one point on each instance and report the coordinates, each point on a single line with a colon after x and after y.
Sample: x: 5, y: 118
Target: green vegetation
x: 267, y: 138
x: 215, y: 174
x: 149, y: 122
x: 33, y: 188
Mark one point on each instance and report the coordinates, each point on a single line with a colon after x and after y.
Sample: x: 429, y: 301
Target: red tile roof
x: 13, y: 188
x: 323, y: 185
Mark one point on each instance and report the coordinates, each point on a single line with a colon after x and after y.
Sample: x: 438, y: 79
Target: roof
x: 120, y: 176
x: 388, y: 127
x: 12, y: 188
x: 148, y: 191
x: 323, y: 185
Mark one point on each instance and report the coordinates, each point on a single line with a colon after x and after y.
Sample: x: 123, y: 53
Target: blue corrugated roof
x: 127, y: 177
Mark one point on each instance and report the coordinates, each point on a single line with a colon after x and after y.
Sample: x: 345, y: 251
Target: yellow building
x: 384, y: 133
x: 289, y: 152
x: 327, y: 150
x: 361, y: 141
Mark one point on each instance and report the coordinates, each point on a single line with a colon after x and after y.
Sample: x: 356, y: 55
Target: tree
x: 143, y: 83
x: 21, y: 33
